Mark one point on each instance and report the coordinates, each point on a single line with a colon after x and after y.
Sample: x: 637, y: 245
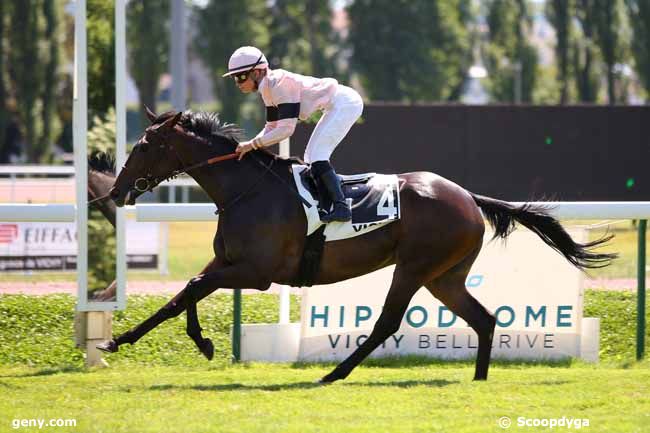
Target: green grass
x: 162, y: 384
x: 37, y: 330
x: 625, y: 243
x: 281, y: 398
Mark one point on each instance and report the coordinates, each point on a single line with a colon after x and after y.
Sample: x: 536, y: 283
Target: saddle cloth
x: 374, y: 197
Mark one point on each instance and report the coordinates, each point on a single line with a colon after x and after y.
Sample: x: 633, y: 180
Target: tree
x: 510, y: 55
x: 222, y: 27
x: 639, y: 17
x: 148, y: 36
x: 585, y: 54
x: 559, y: 15
x: 301, y: 37
x: 4, y: 115
x: 100, y: 24
x: 407, y: 50
x: 25, y: 74
x: 51, y: 76
x: 608, y: 17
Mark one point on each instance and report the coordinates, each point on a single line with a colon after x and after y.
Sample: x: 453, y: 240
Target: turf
x: 162, y: 384
x: 279, y: 398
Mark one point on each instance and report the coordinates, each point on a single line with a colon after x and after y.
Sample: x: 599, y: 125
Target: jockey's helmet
x: 246, y: 59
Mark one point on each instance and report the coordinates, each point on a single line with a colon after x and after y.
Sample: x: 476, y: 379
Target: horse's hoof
x: 207, y: 349
x: 328, y: 379
x: 109, y: 346
x: 322, y: 381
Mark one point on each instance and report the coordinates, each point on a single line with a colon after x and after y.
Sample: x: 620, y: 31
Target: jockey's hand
x: 243, y: 148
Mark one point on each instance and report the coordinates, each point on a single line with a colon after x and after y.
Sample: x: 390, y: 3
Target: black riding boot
x: 328, y: 179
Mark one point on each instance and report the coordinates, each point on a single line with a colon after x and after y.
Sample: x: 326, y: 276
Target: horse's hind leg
x: 401, y: 291
x: 450, y: 289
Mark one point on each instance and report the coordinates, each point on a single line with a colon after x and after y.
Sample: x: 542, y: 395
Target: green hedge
x: 37, y: 330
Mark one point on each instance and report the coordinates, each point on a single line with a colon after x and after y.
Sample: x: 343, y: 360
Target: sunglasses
x: 242, y: 76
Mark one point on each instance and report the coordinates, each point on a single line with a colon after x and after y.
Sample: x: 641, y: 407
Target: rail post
x: 640, y: 293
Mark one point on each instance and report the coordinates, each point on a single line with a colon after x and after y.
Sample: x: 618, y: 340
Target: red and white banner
x: 53, y: 246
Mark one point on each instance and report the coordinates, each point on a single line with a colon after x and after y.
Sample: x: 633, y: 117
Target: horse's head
x: 153, y: 159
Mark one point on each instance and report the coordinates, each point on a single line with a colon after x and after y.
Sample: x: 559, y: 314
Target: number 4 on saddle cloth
x: 374, y: 199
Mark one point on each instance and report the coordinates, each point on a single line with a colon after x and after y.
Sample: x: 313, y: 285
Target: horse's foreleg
x: 172, y: 309
x: 194, y: 331
x: 199, y: 287
x: 401, y: 291
x: 193, y: 327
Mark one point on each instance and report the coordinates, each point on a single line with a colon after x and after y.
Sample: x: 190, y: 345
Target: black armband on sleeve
x: 283, y: 111
x: 271, y: 114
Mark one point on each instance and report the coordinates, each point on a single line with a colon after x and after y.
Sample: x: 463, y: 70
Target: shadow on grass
x: 300, y: 385
x: 424, y: 361
x: 237, y: 387
x: 434, y: 383
x: 8, y: 386
x: 48, y: 371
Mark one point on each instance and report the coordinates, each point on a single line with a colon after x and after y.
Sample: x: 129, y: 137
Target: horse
x: 101, y: 176
x: 262, y: 230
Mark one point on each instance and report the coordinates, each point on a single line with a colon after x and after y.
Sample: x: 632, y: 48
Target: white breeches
x: 338, y: 117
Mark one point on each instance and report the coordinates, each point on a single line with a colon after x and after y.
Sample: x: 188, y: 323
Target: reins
x: 211, y: 161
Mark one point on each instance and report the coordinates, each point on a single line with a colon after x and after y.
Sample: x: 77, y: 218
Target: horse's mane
x: 210, y: 126
x: 101, y: 162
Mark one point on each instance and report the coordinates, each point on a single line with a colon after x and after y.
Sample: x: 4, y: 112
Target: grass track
x: 427, y: 397
x: 162, y: 384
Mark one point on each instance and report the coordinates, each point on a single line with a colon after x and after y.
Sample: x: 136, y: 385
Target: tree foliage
x: 148, y: 43
x: 509, y: 51
x: 30, y: 69
x: 406, y: 50
x: 301, y: 38
x: 222, y: 27
x: 100, y: 35
x: 559, y: 15
x: 611, y: 38
x: 639, y: 17
x: 585, y: 52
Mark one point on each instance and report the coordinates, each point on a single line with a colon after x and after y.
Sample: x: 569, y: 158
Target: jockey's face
x: 249, y: 84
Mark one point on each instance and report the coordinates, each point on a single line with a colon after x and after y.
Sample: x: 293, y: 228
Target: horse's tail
x: 503, y: 215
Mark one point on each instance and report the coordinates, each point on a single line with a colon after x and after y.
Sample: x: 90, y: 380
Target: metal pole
x: 120, y: 146
x: 79, y: 137
x: 236, y: 326
x: 285, y: 298
x: 640, y: 301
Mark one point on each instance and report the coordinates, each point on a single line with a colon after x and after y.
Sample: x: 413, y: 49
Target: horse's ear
x: 172, y: 121
x: 150, y: 114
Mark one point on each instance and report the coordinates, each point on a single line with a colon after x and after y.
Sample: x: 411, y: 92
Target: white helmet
x: 245, y: 59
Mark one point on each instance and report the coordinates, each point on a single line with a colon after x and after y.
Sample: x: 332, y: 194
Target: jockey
x: 290, y: 97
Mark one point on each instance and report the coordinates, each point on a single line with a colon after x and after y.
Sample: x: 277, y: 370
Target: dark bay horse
x: 101, y: 176
x: 262, y: 228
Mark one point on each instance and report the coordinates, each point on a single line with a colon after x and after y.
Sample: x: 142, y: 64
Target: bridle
x: 149, y: 182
